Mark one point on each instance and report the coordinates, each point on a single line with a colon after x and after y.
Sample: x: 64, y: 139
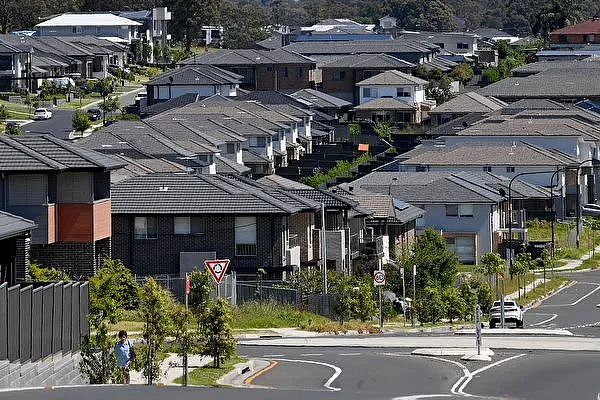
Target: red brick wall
x: 102, y: 218
x: 51, y: 223
x: 75, y: 223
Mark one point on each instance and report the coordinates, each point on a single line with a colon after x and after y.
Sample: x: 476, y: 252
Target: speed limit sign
x: 379, y: 278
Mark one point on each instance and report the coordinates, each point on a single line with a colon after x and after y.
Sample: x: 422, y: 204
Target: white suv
x: 512, y: 313
x: 42, y: 113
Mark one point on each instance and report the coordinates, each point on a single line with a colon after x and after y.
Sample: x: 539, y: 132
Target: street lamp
x: 578, y: 211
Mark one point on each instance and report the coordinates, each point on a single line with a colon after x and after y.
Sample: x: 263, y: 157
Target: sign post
x: 379, y: 280
x: 414, y: 299
x: 405, y: 306
x: 185, y: 351
x: 478, y: 328
x: 217, y: 269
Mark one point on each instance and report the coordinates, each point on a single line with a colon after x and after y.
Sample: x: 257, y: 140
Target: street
x: 60, y: 125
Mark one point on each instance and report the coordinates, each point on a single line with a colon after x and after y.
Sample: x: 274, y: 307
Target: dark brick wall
x: 299, y: 224
x: 161, y: 255
x: 77, y: 259
x: 22, y: 249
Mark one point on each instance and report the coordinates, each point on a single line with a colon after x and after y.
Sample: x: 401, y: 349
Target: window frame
x: 245, y: 249
x: 146, y: 236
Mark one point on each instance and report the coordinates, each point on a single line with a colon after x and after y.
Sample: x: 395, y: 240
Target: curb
x: 244, y: 372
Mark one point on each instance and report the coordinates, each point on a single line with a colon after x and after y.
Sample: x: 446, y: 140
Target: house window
x: 189, y: 225
x: 269, y: 69
x: 245, y: 236
x: 487, y: 169
x: 589, y: 38
x: 370, y: 92
x: 463, y: 247
x: 462, y: 46
x: 230, y: 148
x: 299, y: 72
x: 258, y: 142
x: 145, y: 228
x: 339, y: 75
x: 285, y: 72
x: 402, y: 92
x: 510, y: 169
x: 459, y: 210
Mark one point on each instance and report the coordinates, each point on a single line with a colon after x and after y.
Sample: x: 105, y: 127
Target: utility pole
x: 185, y: 351
x: 324, y: 248
x: 414, y: 299
x: 403, y: 295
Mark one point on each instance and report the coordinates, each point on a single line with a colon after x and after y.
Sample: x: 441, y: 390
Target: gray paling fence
x: 38, y: 321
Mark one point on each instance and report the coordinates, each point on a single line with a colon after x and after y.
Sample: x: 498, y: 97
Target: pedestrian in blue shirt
x: 125, y: 355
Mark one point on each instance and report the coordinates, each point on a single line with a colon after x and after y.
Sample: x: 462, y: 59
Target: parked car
x: 590, y: 210
x: 42, y: 113
x: 94, y: 114
x: 513, y: 313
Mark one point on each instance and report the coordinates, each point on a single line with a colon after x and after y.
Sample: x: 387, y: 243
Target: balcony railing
x: 293, y: 241
x: 371, y: 245
x: 518, y: 219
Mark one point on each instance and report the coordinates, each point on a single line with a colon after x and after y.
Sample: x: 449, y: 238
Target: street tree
x: 491, y: 265
x: 364, y: 306
x: 469, y: 296
x: 454, y: 303
x: 184, y: 337
x: 430, y: 306
x: 110, y: 104
x: 81, y: 122
x: 341, y: 286
x: 216, y: 336
x: 4, y: 114
x: 200, y: 290
x: 154, y: 310
x: 523, y: 263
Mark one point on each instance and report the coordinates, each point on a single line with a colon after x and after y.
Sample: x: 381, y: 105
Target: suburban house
x: 392, y: 96
x: 494, y: 35
x: 578, y: 35
x: 262, y: 69
x: 507, y: 159
x: 14, y: 67
x: 152, y: 31
x: 339, y: 77
x: 324, y: 103
x: 65, y: 191
x: 545, y: 65
x: 102, y: 25
x: 463, y: 104
x: 203, y: 80
x: 15, y: 232
x: 463, y: 43
x: 170, y: 224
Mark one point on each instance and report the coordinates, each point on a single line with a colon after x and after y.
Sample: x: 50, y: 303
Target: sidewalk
x: 528, y: 288
x: 171, y: 368
x: 572, y: 264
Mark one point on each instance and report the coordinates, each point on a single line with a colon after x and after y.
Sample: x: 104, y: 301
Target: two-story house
x: 203, y: 80
x: 577, y: 35
x: 14, y: 67
x: 15, y: 232
x: 65, y: 191
x: 463, y: 43
x: 170, y: 224
x: 463, y: 104
x: 278, y: 69
x: 392, y: 96
x: 92, y: 24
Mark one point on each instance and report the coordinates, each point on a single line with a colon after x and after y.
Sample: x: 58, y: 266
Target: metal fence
x: 37, y: 321
x: 176, y: 285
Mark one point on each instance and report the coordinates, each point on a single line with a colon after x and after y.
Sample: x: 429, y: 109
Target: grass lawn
x: 538, y: 293
x: 255, y: 315
x: 125, y: 325
x: 541, y: 231
x: 591, y: 263
x: 208, y: 376
x: 465, y: 268
x: 75, y: 104
x: 17, y: 110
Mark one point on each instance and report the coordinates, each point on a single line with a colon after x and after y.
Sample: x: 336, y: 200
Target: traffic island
x: 244, y: 373
x: 516, y: 332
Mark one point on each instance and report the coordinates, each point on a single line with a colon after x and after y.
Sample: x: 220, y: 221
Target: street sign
x: 478, y: 328
x: 379, y: 278
x: 187, y: 284
x: 217, y: 268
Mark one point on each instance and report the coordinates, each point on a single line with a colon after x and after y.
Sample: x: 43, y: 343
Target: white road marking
x: 273, y: 355
x: 546, y: 320
x: 425, y: 396
x: 579, y: 299
x: 492, y: 365
x: 349, y: 354
x: 311, y: 354
x: 453, y: 389
x: 338, y: 371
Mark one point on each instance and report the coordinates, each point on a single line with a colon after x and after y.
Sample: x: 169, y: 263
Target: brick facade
x: 303, y: 224
x: 273, y: 77
x: 22, y: 249
x: 161, y: 255
x: 76, y: 259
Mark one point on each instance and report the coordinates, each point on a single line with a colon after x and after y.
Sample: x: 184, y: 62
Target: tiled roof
x: 366, y: 61
x: 540, y: 66
x: 362, y: 47
x: 170, y: 104
x: 88, y: 19
x: 250, y: 157
x: 196, y: 194
x: 383, y: 206
x: 469, y: 102
x: 532, y: 126
x: 329, y: 199
x: 425, y: 187
x: 514, y: 153
x: 224, y: 57
x: 272, y: 97
x: 386, y: 104
x: 320, y: 99
x: 282, y: 183
x: 196, y: 75
x: 13, y: 225
x: 591, y: 26
x: 227, y: 166
x: 46, y: 153
x: 392, y: 77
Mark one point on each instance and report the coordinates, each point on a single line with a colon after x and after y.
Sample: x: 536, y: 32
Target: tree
x: 436, y: 265
x: 354, y: 129
x: 4, y: 114
x: 81, y: 122
x: 454, y: 304
x: 341, y: 286
x: 184, y: 337
x: 485, y: 296
x: 155, y: 306
x: 200, y: 290
x: 216, y: 335
x: 422, y: 15
x: 307, y: 281
x: 110, y: 104
x: 469, y: 296
x: 39, y: 274
x: 490, y: 75
x: 430, y: 306
x: 492, y: 266
x: 364, y: 306
x: 462, y: 73
x: 520, y: 268
x: 439, y: 89
x: 243, y: 25
x: 98, y: 363
x: 383, y: 130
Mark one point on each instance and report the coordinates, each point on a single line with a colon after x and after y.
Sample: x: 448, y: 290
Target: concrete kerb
x: 450, y: 351
x: 516, y: 332
x: 243, y: 372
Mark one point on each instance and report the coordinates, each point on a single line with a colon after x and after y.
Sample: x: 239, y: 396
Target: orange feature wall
x: 83, y: 223
x: 51, y: 223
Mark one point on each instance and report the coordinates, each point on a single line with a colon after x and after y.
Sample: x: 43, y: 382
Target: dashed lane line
x: 273, y: 355
x: 311, y: 354
x: 349, y: 354
x: 579, y: 299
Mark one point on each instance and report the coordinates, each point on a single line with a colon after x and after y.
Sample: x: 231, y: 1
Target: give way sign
x: 217, y: 268
x: 379, y: 278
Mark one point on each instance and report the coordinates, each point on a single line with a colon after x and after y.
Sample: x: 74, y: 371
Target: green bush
x: 342, y: 169
x: 39, y: 274
x: 430, y: 306
x: 152, y: 72
x: 454, y: 304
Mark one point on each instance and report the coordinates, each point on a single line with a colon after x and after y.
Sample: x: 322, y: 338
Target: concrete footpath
x: 171, y: 368
x: 572, y: 264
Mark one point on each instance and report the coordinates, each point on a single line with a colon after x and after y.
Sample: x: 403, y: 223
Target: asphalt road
x: 60, y: 125
x: 573, y: 308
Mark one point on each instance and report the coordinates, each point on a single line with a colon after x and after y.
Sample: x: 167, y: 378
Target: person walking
x: 125, y: 355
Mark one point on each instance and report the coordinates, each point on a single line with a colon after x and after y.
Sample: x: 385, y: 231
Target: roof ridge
x: 74, y: 149
x: 15, y: 144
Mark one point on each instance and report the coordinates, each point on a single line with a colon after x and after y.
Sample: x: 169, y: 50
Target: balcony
x: 354, y: 246
x: 518, y: 219
x: 293, y: 241
x: 371, y: 246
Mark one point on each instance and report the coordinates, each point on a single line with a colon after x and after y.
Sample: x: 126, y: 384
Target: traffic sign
x: 379, y: 278
x: 187, y: 284
x: 217, y: 268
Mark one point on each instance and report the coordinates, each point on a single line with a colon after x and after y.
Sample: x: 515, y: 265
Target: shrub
x: 430, y: 306
x: 454, y: 303
x: 39, y: 274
